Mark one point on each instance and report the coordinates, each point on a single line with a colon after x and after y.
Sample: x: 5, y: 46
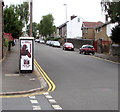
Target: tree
x: 116, y: 34
x: 15, y: 18
x: 11, y: 22
x: 112, y: 10
x: 34, y: 29
x: 46, y: 26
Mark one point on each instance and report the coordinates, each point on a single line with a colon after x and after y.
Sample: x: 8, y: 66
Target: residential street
x: 83, y: 82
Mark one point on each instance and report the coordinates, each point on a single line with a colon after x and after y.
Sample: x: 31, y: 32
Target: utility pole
x: 66, y: 20
x: 1, y: 29
x: 31, y: 7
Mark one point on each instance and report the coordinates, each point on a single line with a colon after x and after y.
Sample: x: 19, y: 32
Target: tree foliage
x: 34, y: 29
x: 112, y: 10
x: 15, y: 18
x: 46, y: 26
x: 116, y: 34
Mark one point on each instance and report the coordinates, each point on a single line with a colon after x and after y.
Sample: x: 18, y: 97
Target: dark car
x: 68, y: 46
x: 87, y: 49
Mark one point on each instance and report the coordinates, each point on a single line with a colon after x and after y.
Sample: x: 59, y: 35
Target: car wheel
x: 84, y: 52
x: 93, y: 53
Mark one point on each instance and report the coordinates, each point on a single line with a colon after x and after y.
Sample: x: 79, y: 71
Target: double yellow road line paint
x: 51, y: 85
x: 45, y: 76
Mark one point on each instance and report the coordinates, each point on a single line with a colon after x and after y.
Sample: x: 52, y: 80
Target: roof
x: 104, y: 24
x: 92, y: 24
x: 26, y: 38
x: 63, y: 25
x: 8, y: 36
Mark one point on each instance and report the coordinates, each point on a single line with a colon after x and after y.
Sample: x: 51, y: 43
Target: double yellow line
x: 45, y: 76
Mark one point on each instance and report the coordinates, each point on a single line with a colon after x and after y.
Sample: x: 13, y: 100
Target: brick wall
x: 0, y: 29
x: 102, y: 34
x: 89, y: 34
x: 79, y: 42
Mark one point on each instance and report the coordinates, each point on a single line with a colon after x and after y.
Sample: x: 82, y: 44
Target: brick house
x: 102, y: 36
x: 100, y: 33
x: 89, y: 28
x: 63, y: 32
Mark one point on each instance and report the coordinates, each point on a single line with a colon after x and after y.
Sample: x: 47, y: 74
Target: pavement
x: 14, y: 83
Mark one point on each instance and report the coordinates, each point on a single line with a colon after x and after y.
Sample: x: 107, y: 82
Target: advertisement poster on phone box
x: 26, y: 54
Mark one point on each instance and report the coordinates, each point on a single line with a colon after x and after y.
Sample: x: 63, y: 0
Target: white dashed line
x: 56, y: 107
x: 52, y: 101
x: 32, y: 97
x: 36, y: 107
x: 48, y: 96
x: 32, y: 79
x: 34, y: 101
x: 12, y: 75
x: 46, y: 93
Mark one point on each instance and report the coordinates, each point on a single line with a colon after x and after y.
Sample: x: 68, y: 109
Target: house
x: 100, y: 33
x: 74, y: 27
x: 71, y: 29
x: 62, y: 32
x: 102, y: 36
x: 89, y: 28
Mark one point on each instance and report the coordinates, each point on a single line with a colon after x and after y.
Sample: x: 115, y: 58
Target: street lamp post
x: 31, y: 4
x: 66, y: 20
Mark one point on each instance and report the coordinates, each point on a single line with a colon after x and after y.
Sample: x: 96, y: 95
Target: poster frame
x: 28, y: 39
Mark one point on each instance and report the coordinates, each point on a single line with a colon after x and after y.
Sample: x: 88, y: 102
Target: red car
x: 68, y: 46
x: 87, y: 49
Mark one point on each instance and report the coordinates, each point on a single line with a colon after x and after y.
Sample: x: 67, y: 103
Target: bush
x: 116, y: 34
x: 6, y: 42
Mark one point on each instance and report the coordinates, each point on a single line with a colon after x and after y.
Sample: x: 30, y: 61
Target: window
x: 99, y: 29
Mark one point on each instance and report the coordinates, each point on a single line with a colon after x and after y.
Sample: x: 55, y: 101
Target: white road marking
x: 32, y: 97
x: 48, y: 96
x: 32, y: 79
x: 46, y: 93
x: 56, y: 107
x: 34, y: 101
x: 12, y: 75
x: 52, y: 101
x: 36, y: 107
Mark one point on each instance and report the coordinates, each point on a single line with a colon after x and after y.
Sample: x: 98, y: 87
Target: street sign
x: 26, y: 54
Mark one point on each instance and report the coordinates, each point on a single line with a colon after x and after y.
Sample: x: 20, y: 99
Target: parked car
x: 87, y: 49
x: 42, y: 41
x: 68, y: 46
x: 37, y: 40
x: 56, y: 44
x: 47, y: 42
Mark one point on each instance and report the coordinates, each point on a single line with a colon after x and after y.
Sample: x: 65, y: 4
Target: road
x: 38, y: 102
x: 82, y: 81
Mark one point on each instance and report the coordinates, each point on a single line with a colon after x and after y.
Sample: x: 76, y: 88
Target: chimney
x: 73, y: 16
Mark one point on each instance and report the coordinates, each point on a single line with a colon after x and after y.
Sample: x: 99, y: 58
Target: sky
x: 89, y: 10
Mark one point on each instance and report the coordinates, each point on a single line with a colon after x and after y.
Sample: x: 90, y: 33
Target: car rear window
x: 87, y: 46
